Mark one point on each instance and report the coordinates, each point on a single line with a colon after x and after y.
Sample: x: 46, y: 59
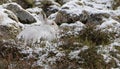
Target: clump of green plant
x: 69, y: 43
x: 89, y: 58
x: 92, y: 36
x: 89, y: 36
x: 12, y: 58
x: 65, y: 63
x: 93, y: 60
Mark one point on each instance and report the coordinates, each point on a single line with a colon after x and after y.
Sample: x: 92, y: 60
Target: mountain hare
x: 36, y: 33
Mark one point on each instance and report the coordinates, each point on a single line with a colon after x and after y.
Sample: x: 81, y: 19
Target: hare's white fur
x: 35, y: 33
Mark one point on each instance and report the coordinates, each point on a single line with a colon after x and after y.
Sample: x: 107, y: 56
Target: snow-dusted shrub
x: 91, y: 35
x: 77, y: 55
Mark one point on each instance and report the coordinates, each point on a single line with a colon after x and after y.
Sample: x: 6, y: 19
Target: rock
x: 8, y: 27
x: 25, y: 3
x: 71, y: 29
x: 105, y: 4
x: 23, y: 15
x: 8, y: 18
x: 3, y: 1
x: 7, y: 32
x: 77, y: 11
x: 11, y: 15
x: 49, y: 6
x: 43, y: 30
x: 51, y: 9
x: 62, y: 1
x: 35, y: 10
x: 111, y: 25
x: 97, y: 18
x: 38, y: 13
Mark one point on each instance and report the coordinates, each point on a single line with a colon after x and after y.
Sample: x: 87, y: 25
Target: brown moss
x: 116, y: 4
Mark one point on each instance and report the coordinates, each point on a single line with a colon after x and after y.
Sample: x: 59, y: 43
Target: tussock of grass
x: 93, y: 36
x: 93, y: 60
x: 89, y: 36
x: 116, y: 4
x: 90, y: 59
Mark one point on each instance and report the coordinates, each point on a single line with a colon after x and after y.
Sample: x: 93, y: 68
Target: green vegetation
x: 10, y: 57
x: 89, y: 58
x: 92, y: 36
x: 89, y: 36
x: 93, y: 60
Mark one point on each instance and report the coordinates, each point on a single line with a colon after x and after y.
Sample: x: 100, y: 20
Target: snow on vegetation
x: 99, y: 4
x: 111, y: 25
x: 43, y: 39
x: 106, y: 52
x: 76, y: 7
x: 73, y: 28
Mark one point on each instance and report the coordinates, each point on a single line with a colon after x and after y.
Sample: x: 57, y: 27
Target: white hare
x: 35, y: 33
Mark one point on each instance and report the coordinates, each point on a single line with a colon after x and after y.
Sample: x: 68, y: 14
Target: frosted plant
x: 36, y: 33
x: 1, y: 17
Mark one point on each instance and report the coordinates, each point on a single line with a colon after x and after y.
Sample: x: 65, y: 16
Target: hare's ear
x: 43, y: 17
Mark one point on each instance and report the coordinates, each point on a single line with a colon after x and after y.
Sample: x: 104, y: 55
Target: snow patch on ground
x: 105, y: 51
x: 111, y: 25
x: 74, y: 54
x: 5, y: 20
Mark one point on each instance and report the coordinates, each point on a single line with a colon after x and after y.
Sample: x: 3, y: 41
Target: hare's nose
x: 52, y: 23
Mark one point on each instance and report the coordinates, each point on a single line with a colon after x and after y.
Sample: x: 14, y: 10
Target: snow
x: 40, y: 33
x: 111, y: 25
x: 34, y: 10
x: 74, y: 54
x: 54, y: 7
x: 105, y: 51
x: 37, y: 32
x: 74, y: 28
x: 43, y: 29
x: 99, y: 4
x: 5, y: 20
x: 52, y: 16
x: 76, y: 7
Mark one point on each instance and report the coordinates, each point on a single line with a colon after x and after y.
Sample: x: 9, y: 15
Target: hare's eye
x: 52, y: 23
